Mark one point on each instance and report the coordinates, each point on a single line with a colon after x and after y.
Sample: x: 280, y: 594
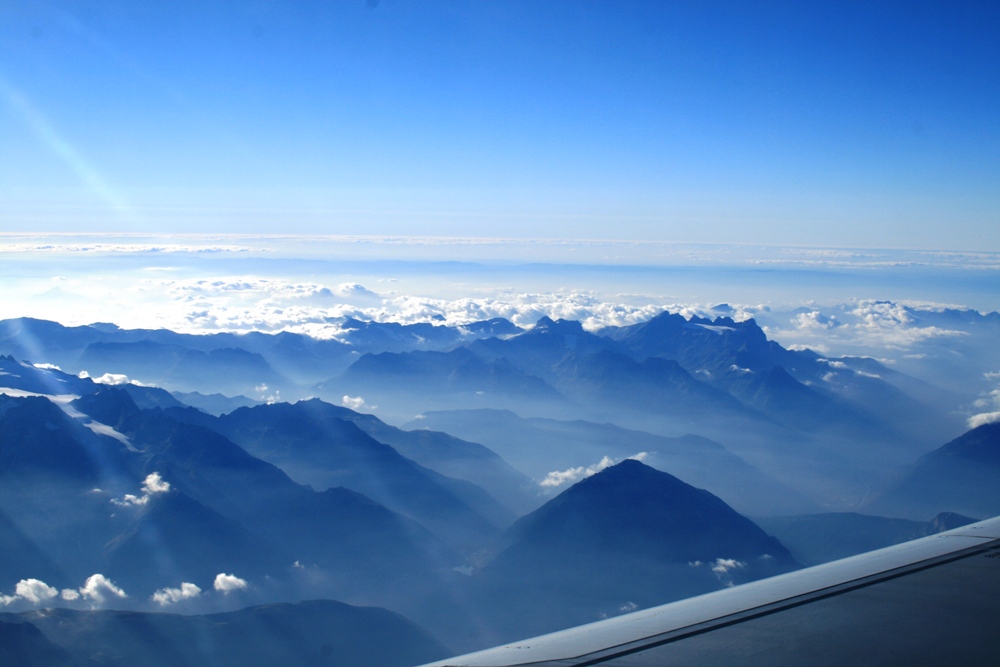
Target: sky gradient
x: 819, y: 124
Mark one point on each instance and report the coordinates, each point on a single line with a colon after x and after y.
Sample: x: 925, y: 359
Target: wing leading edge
x: 930, y: 601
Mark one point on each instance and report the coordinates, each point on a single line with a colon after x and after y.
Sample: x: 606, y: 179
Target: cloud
x: 166, y: 596
x: 722, y: 568
x: 227, y: 583
x: 356, y: 403
x: 47, y: 367
x: 982, y: 418
x: 152, y: 485
x: 814, y: 321
x: 557, y: 478
x: 34, y: 591
x: 69, y: 594
x: 98, y: 586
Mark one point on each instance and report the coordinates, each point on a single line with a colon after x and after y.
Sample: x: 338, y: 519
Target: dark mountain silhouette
x: 961, y: 476
x: 629, y: 536
x: 307, y: 634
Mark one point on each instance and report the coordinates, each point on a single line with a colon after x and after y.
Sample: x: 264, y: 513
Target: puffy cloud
x: 557, y: 478
x: 166, y: 596
x: 813, y: 321
x: 155, y: 484
x: 69, y: 594
x: 356, y: 403
x: 227, y: 583
x: 34, y: 591
x: 152, y: 485
x: 98, y: 586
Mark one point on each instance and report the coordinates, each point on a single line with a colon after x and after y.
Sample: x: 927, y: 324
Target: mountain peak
x: 635, y: 509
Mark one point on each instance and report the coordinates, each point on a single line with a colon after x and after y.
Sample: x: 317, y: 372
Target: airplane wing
x: 933, y: 601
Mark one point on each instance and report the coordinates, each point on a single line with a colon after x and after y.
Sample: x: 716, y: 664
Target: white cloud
x: 557, y: 478
x: 227, y: 583
x: 356, y: 403
x: 983, y: 418
x: 98, y: 586
x: 47, y: 367
x: 155, y: 484
x: 69, y: 594
x: 814, y: 321
x: 34, y: 591
x: 112, y: 379
x: 152, y: 485
x: 166, y: 596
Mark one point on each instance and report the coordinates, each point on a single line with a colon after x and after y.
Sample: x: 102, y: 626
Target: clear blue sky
x: 817, y: 123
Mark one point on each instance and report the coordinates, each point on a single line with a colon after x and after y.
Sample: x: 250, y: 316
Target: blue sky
x: 859, y: 124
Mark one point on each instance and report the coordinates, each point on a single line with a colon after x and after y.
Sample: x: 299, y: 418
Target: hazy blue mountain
x: 538, y: 349
x: 74, y: 488
x: 800, y: 389
x: 21, y: 375
x: 961, y: 476
x: 310, y: 442
x: 214, y: 404
x: 616, y: 383
x: 627, y: 537
x: 24, y: 645
x: 540, y: 446
x: 819, y: 538
x: 307, y: 634
x: 176, y: 538
x: 336, y: 528
x: 453, y: 457
x: 457, y: 371
x: 232, y: 370
x: 21, y: 558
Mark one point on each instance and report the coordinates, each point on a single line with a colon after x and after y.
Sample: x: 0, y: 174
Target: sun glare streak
x: 60, y: 147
